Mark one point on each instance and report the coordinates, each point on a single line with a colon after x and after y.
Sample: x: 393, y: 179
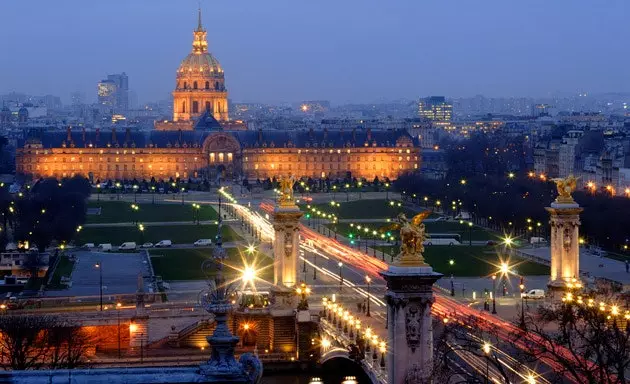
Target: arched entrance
x: 223, y: 156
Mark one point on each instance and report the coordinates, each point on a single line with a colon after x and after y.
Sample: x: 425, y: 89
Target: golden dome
x: 200, y: 62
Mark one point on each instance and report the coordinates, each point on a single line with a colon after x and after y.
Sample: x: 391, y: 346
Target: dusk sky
x: 338, y: 50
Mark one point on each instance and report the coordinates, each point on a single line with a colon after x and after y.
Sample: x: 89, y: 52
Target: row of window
x: 195, y: 85
x: 195, y: 107
x: 116, y: 167
x: 109, y: 159
x: 327, y: 158
x: 300, y: 167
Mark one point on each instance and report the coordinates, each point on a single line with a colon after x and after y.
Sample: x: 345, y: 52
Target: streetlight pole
x: 522, y: 287
x: 340, y: 276
x: 314, y: 266
x: 99, y: 266
x: 470, y: 225
x: 118, y: 305
x: 494, y: 294
x: 368, y: 280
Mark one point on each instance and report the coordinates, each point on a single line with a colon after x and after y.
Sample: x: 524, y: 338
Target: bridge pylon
x: 409, y: 299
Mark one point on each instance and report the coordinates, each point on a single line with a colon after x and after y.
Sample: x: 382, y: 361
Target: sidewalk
x: 595, y: 266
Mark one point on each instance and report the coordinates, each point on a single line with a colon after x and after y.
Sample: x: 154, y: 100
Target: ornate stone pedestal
x: 565, y: 246
x: 410, y: 339
x: 286, y: 218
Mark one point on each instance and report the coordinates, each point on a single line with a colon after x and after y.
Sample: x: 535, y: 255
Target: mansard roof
x: 195, y: 138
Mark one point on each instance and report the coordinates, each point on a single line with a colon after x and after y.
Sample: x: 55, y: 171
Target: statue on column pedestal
x: 286, y: 190
x: 565, y: 188
x: 412, y: 237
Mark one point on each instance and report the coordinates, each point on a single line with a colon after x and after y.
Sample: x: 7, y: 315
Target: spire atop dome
x: 200, y: 44
x: 199, y: 25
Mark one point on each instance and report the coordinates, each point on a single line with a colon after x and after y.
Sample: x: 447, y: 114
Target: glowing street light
x: 505, y: 268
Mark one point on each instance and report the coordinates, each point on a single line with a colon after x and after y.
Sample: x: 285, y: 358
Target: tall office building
x: 435, y: 108
x: 114, y: 92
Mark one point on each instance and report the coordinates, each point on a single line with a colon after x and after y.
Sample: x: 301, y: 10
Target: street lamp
x: 470, y: 226
x: 486, y: 350
x: 118, y: 305
x: 386, y: 191
x: 98, y: 192
x: 368, y: 280
x: 141, y: 229
x: 99, y: 266
x: 182, y: 193
x: 340, y: 276
x: 153, y: 194
x: 522, y: 287
x: 494, y: 294
x: 135, y: 193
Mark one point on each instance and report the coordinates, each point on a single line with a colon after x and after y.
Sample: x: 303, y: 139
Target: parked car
x: 534, y: 294
x: 88, y: 246
x: 491, y: 242
x: 202, y: 243
x: 537, y: 240
x: 147, y: 245
x: 128, y: 246
x: 163, y: 243
x: 107, y: 247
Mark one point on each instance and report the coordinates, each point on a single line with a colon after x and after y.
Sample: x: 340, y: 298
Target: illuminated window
x: 255, y: 166
x: 230, y: 156
x: 212, y: 159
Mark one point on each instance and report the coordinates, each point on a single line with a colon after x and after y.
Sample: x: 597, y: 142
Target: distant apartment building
x: 113, y: 92
x: 567, y: 153
x: 435, y: 108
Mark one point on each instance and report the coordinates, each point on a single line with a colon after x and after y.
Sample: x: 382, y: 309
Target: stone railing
x: 373, y: 361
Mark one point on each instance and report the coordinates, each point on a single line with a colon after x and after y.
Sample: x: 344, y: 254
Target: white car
x: 202, y: 243
x: 147, y: 245
x: 163, y: 243
x: 534, y: 294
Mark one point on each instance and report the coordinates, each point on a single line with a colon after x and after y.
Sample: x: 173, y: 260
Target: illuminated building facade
x: 200, y: 142
x: 206, y: 152
x: 435, y: 108
x: 199, y: 86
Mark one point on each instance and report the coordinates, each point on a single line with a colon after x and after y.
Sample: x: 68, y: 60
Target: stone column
x: 565, y: 244
x: 286, y: 220
x: 410, y: 333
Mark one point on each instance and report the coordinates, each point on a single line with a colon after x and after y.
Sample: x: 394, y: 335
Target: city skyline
x: 323, y: 51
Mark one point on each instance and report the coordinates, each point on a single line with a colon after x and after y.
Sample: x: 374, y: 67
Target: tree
x: 23, y: 340
x: 587, y: 342
x: 68, y: 346
x: 34, y: 262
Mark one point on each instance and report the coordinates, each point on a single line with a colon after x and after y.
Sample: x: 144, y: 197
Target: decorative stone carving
x: 415, y: 375
x: 412, y: 326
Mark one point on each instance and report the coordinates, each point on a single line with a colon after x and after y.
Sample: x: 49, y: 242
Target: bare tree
x: 68, y: 346
x: 464, y: 353
x: 23, y: 340
x: 34, y: 341
x: 585, y: 341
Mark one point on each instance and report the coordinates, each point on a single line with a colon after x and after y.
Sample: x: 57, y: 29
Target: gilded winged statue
x: 565, y: 187
x: 411, y: 238
x: 286, y: 190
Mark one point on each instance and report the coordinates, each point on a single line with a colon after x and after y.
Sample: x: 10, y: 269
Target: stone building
x: 200, y: 142
x: 208, y: 150
x: 199, y: 86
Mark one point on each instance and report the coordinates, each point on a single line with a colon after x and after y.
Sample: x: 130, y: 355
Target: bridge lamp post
x: 135, y: 193
x: 386, y: 191
x: 182, y: 193
x: 494, y: 294
x: 118, y: 305
x: 382, y: 349
x: 99, y: 266
x: 340, y: 276
x: 314, y: 266
x: 375, y: 348
x: 368, y: 280
x: 98, y: 192
x: 153, y: 194
x: 486, y: 350
x: 522, y: 287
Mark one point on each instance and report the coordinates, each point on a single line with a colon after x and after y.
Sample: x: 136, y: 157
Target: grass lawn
x: 471, y: 261
x: 431, y: 227
x: 119, y: 211
x: 64, y: 268
x: 185, y: 264
x: 178, y: 234
x: 363, y: 209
